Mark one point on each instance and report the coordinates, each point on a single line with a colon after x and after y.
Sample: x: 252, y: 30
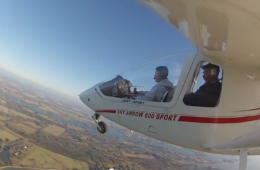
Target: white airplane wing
x: 227, y: 30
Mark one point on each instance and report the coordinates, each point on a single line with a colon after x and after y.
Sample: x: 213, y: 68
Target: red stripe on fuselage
x: 218, y: 120
x: 212, y: 120
x: 106, y: 111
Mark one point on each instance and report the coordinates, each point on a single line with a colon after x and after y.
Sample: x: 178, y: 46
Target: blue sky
x: 71, y: 45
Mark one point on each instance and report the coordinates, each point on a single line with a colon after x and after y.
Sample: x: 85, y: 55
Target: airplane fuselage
x: 198, y: 128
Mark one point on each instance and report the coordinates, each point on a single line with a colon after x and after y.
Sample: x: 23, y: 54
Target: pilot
x: 208, y: 94
x: 159, y: 90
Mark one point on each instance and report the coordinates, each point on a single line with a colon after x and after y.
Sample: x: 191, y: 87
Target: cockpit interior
x: 140, y: 80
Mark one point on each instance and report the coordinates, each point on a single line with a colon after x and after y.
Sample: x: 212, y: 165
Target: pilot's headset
x: 213, y: 72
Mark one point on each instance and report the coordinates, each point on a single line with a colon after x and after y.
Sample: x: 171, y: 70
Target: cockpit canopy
x: 117, y: 87
x: 142, y: 79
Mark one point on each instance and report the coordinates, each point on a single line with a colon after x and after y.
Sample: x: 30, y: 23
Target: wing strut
x: 242, y: 159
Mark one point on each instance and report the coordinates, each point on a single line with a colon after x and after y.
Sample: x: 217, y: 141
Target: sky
x: 71, y: 45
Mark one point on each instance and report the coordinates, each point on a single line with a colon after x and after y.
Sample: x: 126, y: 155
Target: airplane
x: 226, y: 33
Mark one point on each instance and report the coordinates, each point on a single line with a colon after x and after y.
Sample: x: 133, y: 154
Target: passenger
x: 159, y: 90
x: 208, y: 94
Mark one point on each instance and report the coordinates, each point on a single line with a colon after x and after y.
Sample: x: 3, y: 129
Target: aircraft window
x: 206, y: 86
x: 213, y: 27
x: 154, y: 81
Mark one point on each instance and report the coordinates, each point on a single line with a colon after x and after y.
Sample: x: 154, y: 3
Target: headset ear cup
x: 213, y: 72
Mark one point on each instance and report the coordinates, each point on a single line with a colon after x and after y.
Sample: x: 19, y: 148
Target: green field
x: 4, y: 134
x: 54, y: 130
x: 23, y: 127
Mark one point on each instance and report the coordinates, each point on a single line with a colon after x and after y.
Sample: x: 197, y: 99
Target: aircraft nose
x: 89, y: 97
x: 84, y: 96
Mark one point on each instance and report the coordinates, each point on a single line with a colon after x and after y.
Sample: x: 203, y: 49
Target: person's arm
x: 196, y: 99
x: 148, y: 96
x: 136, y: 91
x: 143, y: 92
x: 188, y: 99
x: 156, y: 94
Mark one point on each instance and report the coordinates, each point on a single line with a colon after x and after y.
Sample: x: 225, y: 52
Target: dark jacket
x: 207, y: 95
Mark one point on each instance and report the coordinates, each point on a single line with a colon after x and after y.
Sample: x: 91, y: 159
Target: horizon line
x: 37, y: 83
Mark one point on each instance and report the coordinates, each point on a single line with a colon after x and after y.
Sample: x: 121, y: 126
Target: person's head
x: 210, y: 72
x: 161, y: 73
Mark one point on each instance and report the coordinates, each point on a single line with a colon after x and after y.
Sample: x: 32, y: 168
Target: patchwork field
x: 42, y: 158
x: 15, y: 113
x: 31, y: 111
x: 13, y: 88
x: 133, y: 155
x: 48, y: 108
x: 18, y: 168
x: 31, y: 102
x: 4, y: 134
x: 4, y: 90
x: 23, y: 127
x: 3, y: 102
x: 15, y: 94
x: 79, y: 112
x: 3, y: 109
x: 30, y: 95
x: 3, y: 118
x: 48, y: 118
x: 75, y: 128
x: 33, y: 125
x: 54, y: 130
